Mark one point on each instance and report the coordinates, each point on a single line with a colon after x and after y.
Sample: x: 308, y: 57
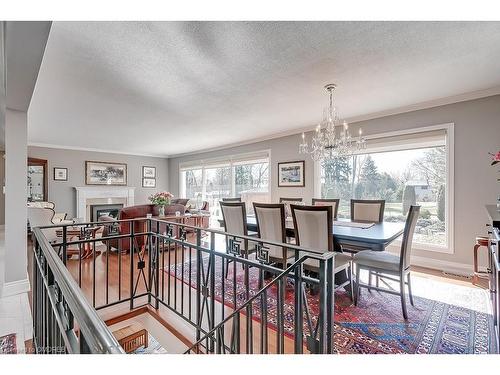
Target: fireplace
x: 98, y: 210
x: 87, y: 196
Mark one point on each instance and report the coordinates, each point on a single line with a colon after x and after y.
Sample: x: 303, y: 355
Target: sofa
x: 132, y: 212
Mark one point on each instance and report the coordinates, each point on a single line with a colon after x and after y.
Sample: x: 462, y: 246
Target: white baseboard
x: 443, y: 265
x: 15, y: 287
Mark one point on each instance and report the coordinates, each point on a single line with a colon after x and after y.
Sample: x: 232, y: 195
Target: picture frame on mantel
x: 292, y: 174
x: 60, y: 174
x: 105, y: 173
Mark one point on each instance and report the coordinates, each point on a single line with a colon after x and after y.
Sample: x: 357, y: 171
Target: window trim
x: 231, y: 161
x: 450, y: 184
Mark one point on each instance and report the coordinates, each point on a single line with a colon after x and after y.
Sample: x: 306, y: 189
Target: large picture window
x: 244, y: 176
x: 404, y: 170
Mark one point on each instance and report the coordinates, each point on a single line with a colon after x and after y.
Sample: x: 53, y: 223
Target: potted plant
x: 161, y: 200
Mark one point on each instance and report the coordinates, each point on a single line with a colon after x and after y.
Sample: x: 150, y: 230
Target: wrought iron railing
x: 63, y: 320
x: 203, y: 277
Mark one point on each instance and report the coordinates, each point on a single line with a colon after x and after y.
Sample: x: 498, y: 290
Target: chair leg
x: 369, y: 281
x: 403, y: 296
x: 409, y: 290
x: 357, y: 290
x: 476, y: 265
x: 351, y: 283
x: 376, y: 279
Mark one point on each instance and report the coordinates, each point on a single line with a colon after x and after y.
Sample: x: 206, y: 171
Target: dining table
x: 350, y: 234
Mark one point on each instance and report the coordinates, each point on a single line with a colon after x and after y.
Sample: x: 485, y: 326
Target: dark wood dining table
x: 377, y: 237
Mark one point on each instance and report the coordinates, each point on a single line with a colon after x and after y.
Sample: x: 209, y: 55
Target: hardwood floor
x: 112, y: 283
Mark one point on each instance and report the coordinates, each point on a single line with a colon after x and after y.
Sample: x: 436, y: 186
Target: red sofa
x: 133, y: 212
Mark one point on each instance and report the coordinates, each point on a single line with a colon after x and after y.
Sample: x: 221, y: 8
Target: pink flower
x: 497, y: 156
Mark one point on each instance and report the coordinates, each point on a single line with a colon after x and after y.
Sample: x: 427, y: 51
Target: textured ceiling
x: 166, y: 88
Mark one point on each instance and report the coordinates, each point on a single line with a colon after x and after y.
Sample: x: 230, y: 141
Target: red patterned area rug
x: 8, y: 344
x: 451, y: 319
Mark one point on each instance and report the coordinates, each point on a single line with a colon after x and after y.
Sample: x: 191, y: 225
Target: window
x: 245, y: 176
x: 404, y: 169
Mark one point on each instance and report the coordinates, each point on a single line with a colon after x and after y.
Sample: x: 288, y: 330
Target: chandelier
x: 327, y: 142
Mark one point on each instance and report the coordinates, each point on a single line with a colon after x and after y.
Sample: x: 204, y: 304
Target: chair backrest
x: 288, y: 202
x: 41, y: 217
x: 234, y: 216
x: 285, y: 200
x: 313, y: 227
x: 271, y: 226
x: 334, y: 203
x: 411, y: 222
x: 183, y: 201
x: 235, y: 199
x: 42, y: 204
x: 367, y: 210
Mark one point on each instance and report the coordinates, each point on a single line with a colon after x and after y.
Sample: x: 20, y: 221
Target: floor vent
x: 452, y: 274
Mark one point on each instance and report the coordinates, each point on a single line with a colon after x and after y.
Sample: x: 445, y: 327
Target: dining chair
x: 314, y: 229
x: 234, y: 216
x: 288, y: 202
x: 390, y: 266
x: 367, y: 210
x: 328, y: 202
x: 235, y: 199
x: 270, y: 219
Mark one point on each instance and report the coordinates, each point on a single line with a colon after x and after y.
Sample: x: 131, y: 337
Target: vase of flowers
x: 494, y: 161
x: 161, y: 200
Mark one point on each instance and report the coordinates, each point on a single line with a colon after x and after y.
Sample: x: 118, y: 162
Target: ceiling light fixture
x: 327, y: 143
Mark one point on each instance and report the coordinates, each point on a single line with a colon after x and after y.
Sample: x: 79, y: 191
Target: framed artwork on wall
x: 291, y: 174
x: 60, y: 174
x: 105, y: 173
x: 149, y: 182
x: 148, y: 172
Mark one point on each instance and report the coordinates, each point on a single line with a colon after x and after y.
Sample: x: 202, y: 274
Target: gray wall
x: 62, y: 193
x: 477, y: 132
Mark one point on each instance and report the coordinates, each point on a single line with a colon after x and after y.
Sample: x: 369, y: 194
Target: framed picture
x: 149, y: 182
x: 105, y: 173
x: 291, y: 174
x: 60, y: 174
x: 148, y: 172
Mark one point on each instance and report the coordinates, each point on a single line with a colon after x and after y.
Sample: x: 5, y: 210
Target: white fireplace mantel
x: 84, y: 193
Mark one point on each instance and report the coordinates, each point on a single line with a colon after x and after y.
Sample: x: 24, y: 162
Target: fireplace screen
x: 98, y: 210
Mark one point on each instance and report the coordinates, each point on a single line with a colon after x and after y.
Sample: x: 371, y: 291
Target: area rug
x: 8, y: 344
x: 154, y: 347
x: 451, y: 319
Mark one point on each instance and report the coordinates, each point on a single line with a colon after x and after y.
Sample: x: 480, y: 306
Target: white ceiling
x: 167, y: 88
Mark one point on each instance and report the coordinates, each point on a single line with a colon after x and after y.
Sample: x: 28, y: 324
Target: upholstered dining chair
x: 270, y: 219
x: 288, y: 202
x: 234, y: 216
x: 367, y: 210
x: 235, y: 199
x: 390, y: 266
x: 328, y: 202
x: 314, y: 229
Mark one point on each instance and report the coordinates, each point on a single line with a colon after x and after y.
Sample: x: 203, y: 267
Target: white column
x: 16, y: 154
